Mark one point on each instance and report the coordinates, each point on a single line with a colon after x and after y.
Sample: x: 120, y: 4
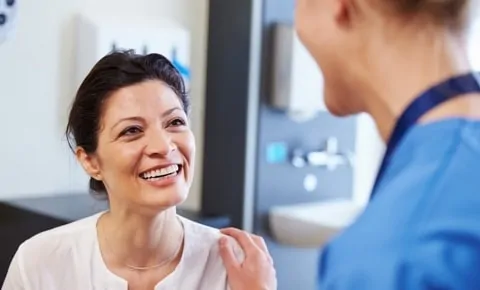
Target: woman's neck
x: 132, y: 240
x: 406, y: 68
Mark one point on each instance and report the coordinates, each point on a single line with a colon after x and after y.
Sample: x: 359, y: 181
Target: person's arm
x: 256, y: 272
x: 14, y: 279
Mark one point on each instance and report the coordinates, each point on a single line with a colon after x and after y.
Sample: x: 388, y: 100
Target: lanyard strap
x: 452, y: 88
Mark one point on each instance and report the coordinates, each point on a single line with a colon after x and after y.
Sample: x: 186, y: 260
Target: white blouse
x: 68, y: 257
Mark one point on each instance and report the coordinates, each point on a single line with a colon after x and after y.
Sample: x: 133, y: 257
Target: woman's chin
x: 164, y: 198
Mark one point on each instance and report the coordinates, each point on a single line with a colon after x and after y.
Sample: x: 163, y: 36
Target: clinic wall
x: 36, y: 88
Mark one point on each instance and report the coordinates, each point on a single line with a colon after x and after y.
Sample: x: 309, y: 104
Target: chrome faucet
x: 330, y: 157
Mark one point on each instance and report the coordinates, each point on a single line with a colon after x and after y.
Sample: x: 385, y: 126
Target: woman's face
x: 325, y: 28
x: 146, y: 148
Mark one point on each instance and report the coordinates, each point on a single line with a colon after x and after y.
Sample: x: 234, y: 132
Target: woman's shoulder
x: 196, y: 229
x: 204, y: 239
x: 202, y: 250
x: 60, y: 238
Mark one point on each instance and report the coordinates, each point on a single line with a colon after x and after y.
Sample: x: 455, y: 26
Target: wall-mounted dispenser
x: 296, y: 82
x: 8, y: 19
x: 96, y: 38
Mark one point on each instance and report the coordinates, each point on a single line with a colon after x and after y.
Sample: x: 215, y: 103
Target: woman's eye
x: 131, y: 131
x: 177, y: 122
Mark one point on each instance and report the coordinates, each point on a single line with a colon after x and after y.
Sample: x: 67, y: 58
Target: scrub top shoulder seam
x: 433, y: 183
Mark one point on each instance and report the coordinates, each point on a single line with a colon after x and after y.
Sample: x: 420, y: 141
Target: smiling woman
x: 129, y: 129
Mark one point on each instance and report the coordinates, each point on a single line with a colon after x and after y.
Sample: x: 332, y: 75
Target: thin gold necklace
x: 166, y: 262
x: 163, y: 263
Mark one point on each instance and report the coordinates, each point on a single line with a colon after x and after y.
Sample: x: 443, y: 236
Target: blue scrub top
x: 422, y: 229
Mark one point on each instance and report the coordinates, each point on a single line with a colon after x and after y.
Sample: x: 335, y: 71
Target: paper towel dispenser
x: 296, y: 82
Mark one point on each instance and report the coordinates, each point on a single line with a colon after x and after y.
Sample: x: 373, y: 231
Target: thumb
x: 228, y: 257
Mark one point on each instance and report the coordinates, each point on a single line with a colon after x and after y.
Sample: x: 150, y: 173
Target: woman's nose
x: 160, y: 142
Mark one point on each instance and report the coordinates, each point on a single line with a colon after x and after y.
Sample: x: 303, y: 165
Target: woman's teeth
x: 161, y: 172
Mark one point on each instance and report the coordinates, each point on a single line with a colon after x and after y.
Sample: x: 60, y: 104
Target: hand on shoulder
x: 256, y: 271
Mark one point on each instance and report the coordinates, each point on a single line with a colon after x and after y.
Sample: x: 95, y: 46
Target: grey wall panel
x: 226, y: 109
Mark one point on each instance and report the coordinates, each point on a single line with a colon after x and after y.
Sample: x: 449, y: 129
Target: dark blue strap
x: 452, y: 88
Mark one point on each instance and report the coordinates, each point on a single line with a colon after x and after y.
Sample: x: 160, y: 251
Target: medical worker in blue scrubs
x: 405, y: 63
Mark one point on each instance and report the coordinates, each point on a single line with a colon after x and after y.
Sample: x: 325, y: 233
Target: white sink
x: 311, y: 225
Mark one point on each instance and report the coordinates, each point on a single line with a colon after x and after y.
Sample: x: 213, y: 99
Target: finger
x: 228, y: 257
x: 260, y: 242
x: 243, y: 238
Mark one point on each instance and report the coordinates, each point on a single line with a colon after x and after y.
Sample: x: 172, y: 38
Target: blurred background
x: 270, y: 160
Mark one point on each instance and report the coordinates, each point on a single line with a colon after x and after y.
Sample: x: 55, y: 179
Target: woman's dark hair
x: 452, y: 13
x: 114, y: 71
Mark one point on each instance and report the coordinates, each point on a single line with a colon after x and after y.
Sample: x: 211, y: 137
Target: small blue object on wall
x: 277, y: 152
x: 183, y: 69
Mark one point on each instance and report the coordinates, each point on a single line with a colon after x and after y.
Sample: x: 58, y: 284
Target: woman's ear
x: 343, y: 11
x: 89, y: 163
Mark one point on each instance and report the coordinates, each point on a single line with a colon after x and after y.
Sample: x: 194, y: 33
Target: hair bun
x: 446, y: 12
x: 445, y: 9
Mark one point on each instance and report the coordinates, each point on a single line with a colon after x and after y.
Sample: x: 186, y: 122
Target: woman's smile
x: 162, y: 175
